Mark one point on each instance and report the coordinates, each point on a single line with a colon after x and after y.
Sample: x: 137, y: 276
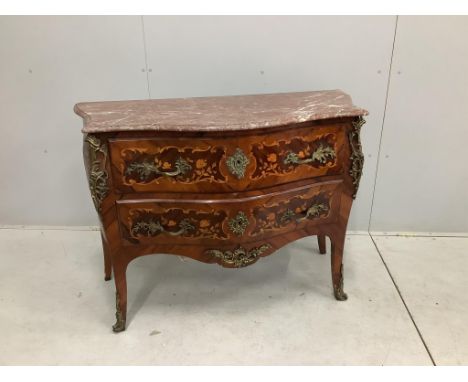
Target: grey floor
x: 407, y: 303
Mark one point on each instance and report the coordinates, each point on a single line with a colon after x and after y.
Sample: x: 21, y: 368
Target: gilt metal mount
x: 240, y: 257
x: 357, y: 157
x: 119, y: 325
x: 338, y: 291
x: 97, y: 175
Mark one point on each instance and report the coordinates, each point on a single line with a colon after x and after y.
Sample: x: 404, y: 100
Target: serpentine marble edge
x: 246, y: 112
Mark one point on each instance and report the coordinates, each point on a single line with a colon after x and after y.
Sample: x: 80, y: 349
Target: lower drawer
x: 217, y: 219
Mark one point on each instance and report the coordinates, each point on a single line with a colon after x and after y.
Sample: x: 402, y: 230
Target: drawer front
x: 226, y: 164
x: 225, y: 219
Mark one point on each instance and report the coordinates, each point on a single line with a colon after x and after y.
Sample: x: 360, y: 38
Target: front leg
x: 337, y: 244
x: 120, y: 296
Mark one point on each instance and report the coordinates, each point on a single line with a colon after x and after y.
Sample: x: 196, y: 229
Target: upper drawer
x: 226, y: 164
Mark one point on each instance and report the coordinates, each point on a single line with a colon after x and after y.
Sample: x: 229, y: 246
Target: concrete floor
x: 56, y: 309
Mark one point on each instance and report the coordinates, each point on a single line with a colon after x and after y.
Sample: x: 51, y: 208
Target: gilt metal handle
x: 312, y: 212
x: 145, y: 169
x: 322, y: 154
x: 152, y: 228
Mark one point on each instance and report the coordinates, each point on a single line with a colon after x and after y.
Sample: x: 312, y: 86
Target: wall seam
x: 376, y: 172
x: 146, y: 56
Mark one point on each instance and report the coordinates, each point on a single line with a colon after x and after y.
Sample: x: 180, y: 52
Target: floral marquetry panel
x: 284, y: 157
x: 187, y: 165
x: 158, y: 165
x: 310, y: 207
x: 173, y: 223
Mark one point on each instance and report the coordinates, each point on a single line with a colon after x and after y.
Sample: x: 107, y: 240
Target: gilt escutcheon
x: 237, y: 163
x: 238, y: 224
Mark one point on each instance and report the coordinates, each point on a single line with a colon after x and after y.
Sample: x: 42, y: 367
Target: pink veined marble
x: 245, y: 112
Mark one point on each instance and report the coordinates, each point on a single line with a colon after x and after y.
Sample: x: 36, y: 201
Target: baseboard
x: 419, y: 234
x: 349, y: 232
x: 51, y: 227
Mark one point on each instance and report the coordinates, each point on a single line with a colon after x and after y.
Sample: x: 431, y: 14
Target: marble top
x: 227, y: 113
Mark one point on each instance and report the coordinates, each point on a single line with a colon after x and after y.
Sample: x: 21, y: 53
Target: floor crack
x: 403, y: 300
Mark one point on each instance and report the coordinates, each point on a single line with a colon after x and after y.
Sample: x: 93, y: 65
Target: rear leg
x: 107, y: 260
x: 322, y: 243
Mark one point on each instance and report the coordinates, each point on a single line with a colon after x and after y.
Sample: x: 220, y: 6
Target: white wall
x: 422, y: 182
x: 49, y: 63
